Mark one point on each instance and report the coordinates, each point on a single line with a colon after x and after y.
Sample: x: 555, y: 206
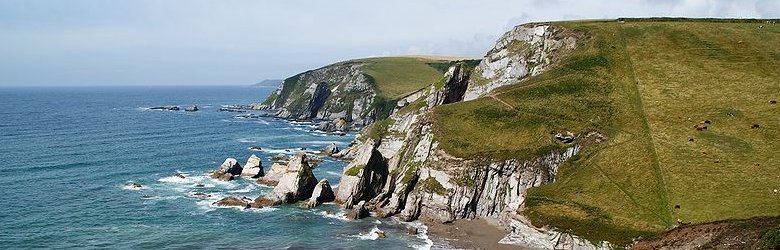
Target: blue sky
x: 195, y: 42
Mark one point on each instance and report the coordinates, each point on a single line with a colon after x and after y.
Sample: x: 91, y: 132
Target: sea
x: 69, y: 157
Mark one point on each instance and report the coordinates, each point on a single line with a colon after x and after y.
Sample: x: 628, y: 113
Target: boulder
x: 322, y: 193
x: 233, y: 201
x: 359, y: 211
x: 179, y: 175
x: 274, y: 174
x: 192, y: 108
x: 330, y: 149
x: 412, y: 231
x: 253, y: 167
x: 227, y: 170
x: 296, y: 184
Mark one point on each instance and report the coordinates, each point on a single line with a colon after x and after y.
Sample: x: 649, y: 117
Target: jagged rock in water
x: 233, y: 201
x: 227, y: 170
x: 359, y: 211
x: 318, y: 99
x: 322, y: 193
x: 330, y: 149
x: 363, y: 177
x: 296, y: 184
x: 253, y: 167
x: 192, y: 108
x: 274, y: 174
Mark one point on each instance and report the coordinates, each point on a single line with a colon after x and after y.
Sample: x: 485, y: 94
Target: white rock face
x: 322, y: 193
x: 253, y: 167
x: 526, y: 50
x: 274, y: 174
x: 296, y: 184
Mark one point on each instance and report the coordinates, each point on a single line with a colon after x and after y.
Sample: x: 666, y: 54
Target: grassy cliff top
x: 644, y: 83
x: 395, y: 77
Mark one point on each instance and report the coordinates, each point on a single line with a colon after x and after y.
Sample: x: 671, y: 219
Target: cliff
x: 575, y: 134
x: 358, y: 92
x: 400, y: 170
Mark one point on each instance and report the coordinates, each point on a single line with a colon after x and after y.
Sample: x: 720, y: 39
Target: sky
x: 235, y: 42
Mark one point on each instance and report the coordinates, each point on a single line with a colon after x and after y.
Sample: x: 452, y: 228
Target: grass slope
x: 645, y: 85
x: 395, y: 77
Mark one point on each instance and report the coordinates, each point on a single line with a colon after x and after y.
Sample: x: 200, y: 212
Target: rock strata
x: 253, y: 167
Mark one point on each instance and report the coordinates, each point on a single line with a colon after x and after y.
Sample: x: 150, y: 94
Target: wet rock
x: 192, y: 108
x: 179, y: 175
x: 255, y: 148
x: 412, y: 231
x: 136, y: 185
x: 169, y: 108
x: 322, y: 193
x: 359, y: 211
x: 227, y: 170
x: 330, y: 149
x: 233, y: 201
x: 253, y: 167
x: 380, y: 234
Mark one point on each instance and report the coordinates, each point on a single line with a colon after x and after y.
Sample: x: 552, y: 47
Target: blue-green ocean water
x: 67, y: 156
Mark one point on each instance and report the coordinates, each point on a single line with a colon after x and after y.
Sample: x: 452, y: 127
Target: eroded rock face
x: 296, y: 184
x: 274, y: 174
x: 322, y: 193
x: 526, y: 50
x: 253, y: 167
x: 363, y: 177
x: 340, y: 92
x: 227, y: 170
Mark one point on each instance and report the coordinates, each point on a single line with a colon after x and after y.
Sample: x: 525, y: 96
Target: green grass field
x: 645, y: 85
x: 395, y: 77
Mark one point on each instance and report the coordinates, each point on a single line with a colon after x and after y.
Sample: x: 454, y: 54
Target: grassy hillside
x: 645, y: 85
x: 398, y: 76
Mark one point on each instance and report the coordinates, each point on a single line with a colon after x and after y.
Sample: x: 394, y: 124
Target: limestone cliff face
x: 526, y: 50
x: 406, y: 174
x: 338, y: 91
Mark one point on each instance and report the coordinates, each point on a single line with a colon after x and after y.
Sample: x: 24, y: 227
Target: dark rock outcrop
x: 233, y: 201
x: 318, y: 99
x: 359, y: 211
x: 192, y: 108
x: 330, y: 149
x: 227, y: 170
x: 322, y: 193
x: 253, y: 167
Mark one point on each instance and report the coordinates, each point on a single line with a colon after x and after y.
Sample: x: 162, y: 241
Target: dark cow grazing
x: 755, y: 126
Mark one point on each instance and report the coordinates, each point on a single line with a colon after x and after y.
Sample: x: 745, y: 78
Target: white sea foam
x: 422, y: 233
x: 131, y: 187
x: 334, y: 173
x: 339, y: 216
x: 245, y: 140
x: 263, y: 122
x: 371, y: 235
